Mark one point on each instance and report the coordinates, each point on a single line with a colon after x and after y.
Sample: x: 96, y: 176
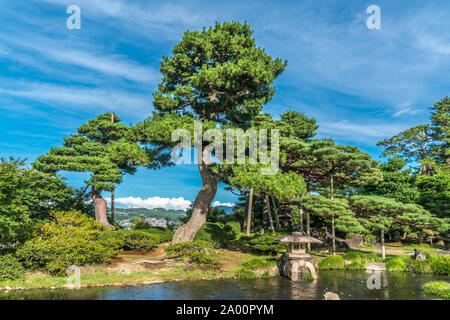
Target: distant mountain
x: 158, y: 213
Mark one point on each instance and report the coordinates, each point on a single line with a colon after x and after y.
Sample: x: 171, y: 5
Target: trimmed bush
x: 198, y: 252
x: 435, y: 263
x: 140, y: 223
x: 331, y: 262
x: 10, y: 268
x: 258, y: 263
x: 71, y: 238
x: 216, y: 233
x: 131, y: 240
x: 136, y: 240
x: 398, y: 263
x: 162, y: 234
x: 233, y: 227
x: 362, y: 257
x: 266, y: 244
x: 440, y: 263
x: 437, y: 288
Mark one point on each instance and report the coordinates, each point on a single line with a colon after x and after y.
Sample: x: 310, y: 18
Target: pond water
x: 348, y: 284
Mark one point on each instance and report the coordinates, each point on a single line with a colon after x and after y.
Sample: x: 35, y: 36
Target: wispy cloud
x: 74, y: 98
x: 152, y: 203
x: 222, y: 204
x: 360, y: 132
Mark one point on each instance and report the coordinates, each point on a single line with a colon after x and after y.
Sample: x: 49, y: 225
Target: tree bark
x: 100, y: 207
x: 301, y: 219
x: 383, y: 248
x: 333, y: 234
x: 81, y: 195
x: 333, y: 237
x: 267, y: 213
x: 308, y: 228
x: 202, y: 202
x: 275, y: 211
x: 249, y: 211
x: 112, y: 205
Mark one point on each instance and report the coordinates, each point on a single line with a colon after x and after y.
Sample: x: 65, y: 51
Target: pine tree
x: 217, y: 75
x: 100, y: 147
x: 336, y: 212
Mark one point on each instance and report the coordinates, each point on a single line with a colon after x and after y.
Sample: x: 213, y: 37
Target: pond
x: 348, y: 284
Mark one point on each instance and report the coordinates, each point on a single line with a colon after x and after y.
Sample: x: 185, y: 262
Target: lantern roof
x: 298, y: 237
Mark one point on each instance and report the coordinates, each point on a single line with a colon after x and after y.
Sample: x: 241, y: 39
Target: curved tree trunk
x: 275, y: 211
x: 301, y: 219
x: 100, y: 207
x: 308, y: 228
x: 267, y: 213
x: 383, y: 248
x: 201, y: 206
x: 249, y: 212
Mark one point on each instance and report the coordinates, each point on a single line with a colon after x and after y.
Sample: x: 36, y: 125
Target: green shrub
x: 266, y: 244
x: 437, y: 288
x: 362, y: 257
x: 233, y: 227
x: 258, y: 263
x: 398, y: 263
x: 198, y: 252
x: 435, y: 263
x: 161, y: 234
x: 331, y: 262
x: 356, y: 265
x: 140, y: 223
x: 440, y: 263
x: 216, y: 233
x: 10, y: 268
x: 71, y: 238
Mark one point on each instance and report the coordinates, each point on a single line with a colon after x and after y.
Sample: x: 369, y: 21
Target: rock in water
x: 331, y: 296
x: 376, y: 266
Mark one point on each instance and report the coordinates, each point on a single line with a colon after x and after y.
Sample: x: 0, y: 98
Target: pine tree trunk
x: 333, y: 236
x: 275, y: 211
x: 202, y: 202
x: 383, y: 248
x: 308, y: 228
x: 80, y: 196
x: 301, y: 219
x: 267, y: 213
x: 100, y: 208
x: 249, y: 211
x: 112, y: 205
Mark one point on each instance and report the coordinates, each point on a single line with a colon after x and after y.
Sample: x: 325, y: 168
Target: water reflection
x: 347, y: 284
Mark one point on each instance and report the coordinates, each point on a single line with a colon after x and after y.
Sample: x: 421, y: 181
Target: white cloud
x: 152, y: 203
x: 222, y: 204
x: 74, y: 97
x: 355, y: 131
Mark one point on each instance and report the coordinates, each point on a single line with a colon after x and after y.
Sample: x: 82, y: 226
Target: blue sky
x: 361, y: 85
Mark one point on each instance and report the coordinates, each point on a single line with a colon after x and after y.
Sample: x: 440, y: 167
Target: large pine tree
x: 100, y: 147
x: 217, y: 75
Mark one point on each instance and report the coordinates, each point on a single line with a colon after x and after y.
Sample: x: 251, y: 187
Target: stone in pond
x: 376, y: 266
x: 331, y: 296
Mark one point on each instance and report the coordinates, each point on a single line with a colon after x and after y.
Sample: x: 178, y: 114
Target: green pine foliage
x: 266, y: 244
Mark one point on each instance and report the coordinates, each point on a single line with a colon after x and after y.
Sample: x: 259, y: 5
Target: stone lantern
x: 296, y: 258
